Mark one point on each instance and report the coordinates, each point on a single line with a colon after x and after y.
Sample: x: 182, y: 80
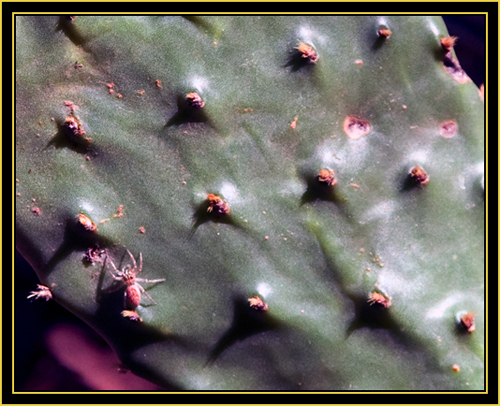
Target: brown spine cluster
x: 379, y: 298
x: 74, y: 127
x: 132, y: 315
x: 384, y: 33
x: 419, y: 176
x: 195, y: 100
x: 257, y: 303
x: 307, y: 52
x: 327, y: 177
x: 217, y: 205
x: 448, y: 43
x: 86, y: 223
x: 468, y: 322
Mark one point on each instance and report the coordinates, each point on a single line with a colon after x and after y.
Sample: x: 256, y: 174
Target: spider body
x: 133, y: 296
x: 128, y: 276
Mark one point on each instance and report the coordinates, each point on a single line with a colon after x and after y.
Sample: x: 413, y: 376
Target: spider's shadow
x: 114, y: 286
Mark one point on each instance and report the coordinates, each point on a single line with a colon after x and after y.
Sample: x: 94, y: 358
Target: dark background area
x: 470, y: 47
x: 45, y: 331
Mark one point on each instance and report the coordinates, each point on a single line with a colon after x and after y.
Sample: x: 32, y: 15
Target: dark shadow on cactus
x: 379, y: 42
x: 317, y: 190
x: 28, y: 249
x: 66, y: 25
x: 114, y: 287
x: 65, y: 138
x: 479, y: 190
x: 408, y: 183
x: 76, y: 238
x: 368, y: 314
x: 128, y: 336
x: 375, y: 316
x: 296, y: 62
x: 145, y: 372
x: 246, y: 323
x: 202, y: 216
x: 187, y: 113
x: 371, y: 315
x: 196, y: 20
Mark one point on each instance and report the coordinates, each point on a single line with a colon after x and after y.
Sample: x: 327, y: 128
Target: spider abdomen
x: 133, y: 296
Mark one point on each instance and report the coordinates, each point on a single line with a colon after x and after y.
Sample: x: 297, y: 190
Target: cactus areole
x: 317, y: 255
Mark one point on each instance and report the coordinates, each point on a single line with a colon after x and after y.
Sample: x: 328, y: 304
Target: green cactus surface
x: 310, y: 188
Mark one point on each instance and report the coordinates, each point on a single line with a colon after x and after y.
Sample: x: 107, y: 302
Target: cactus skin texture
x: 203, y: 142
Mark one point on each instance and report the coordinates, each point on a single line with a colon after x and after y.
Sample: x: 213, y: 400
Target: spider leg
x: 133, y: 259
x: 146, y: 293
x: 115, y: 277
x: 140, y: 262
x: 150, y: 280
x: 111, y: 261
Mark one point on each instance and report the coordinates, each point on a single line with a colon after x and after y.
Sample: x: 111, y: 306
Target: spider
x: 132, y: 295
